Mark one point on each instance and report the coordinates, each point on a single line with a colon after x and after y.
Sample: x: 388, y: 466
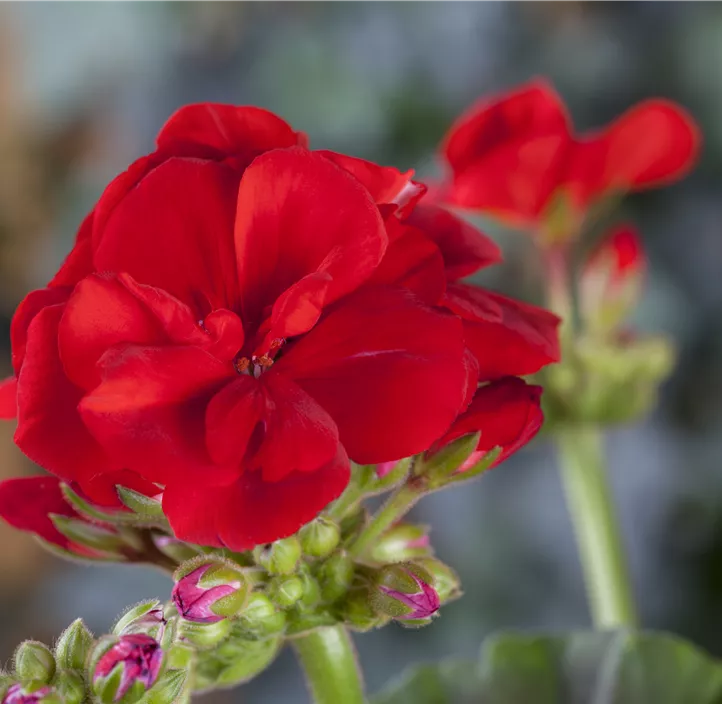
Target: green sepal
x: 168, y: 689
x: 397, y: 544
x: 485, y: 463
x: 204, y: 636
x: 73, y: 646
x: 334, y: 576
x: 34, y: 661
x: 320, y: 537
x: 80, y: 559
x: 180, y: 656
x: 285, y: 591
x: 133, y: 614
x: 70, y: 685
x: 439, y: 467
x: 104, y: 540
x: 280, y: 557
x: 398, y: 474
x: 261, y: 618
x: 444, y: 580
x: 6, y: 681
x: 357, y: 613
x: 142, y: 506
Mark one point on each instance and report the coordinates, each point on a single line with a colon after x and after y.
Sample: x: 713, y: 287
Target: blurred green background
x: 83, y: 89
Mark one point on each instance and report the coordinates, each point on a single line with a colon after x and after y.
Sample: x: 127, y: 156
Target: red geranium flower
x: 516, y: 156
x: 238, y: 317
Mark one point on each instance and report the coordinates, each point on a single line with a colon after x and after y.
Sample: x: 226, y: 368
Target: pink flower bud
x: 17, y: 695
x: 140, y: 657
x: 210, y: 593
x: 405, y: 592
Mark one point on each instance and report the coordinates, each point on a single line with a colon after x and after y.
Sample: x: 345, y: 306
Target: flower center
x: 255, y: 365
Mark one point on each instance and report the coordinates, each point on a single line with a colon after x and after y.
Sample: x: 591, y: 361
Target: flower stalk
x: 329, y: 662
x: 596, y: 527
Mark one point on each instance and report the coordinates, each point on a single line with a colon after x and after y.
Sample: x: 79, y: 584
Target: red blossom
x: 240, y: 316
x: 514, y: 154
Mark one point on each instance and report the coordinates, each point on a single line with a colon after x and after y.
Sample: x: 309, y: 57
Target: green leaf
x: 578, y: 668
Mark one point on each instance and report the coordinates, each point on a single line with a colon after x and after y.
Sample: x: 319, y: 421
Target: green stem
x: 595, y: 523
x: 396, y: 506
x: 343, y: 505
x: 328, y: 658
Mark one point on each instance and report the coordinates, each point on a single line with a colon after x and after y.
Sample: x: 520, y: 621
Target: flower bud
x: 402, y: 542
x: 70, y: 686
x: 260, y: 618
x: 445, y: 581
x: 389, y: 474
x: 127, y: 669
x: 320, y: 537
x: 281, y: 557
x: 404, y: 592
x: 19, y: 694
x: 285, y: 591
x: 334, y: 576
x: 34, y: 662
x: 147, y: 617
x: 73, y: 646
x: 210, y: 593
x: 204, y: 635
x: 357, y: 612
x: 612, y: 279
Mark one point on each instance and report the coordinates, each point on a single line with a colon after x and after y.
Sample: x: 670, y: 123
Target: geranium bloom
x: 241, y: 315
x: 516, y: 156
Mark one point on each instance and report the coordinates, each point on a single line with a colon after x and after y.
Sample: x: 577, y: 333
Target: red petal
x: 414, y: 262
x: 385, y: 183
x: 530, y: 111
x: 9, y: 398
x: 213, y: 130
x: 464, y: 249
x: 148, y: 412
x: 300, y: 435
x: 101, y: 489
x: 26, y: 502
x: 25, y: 313
x: 298, y: 308
x: 654, y: 143
x: 389, y: 371
x: 231, y: 419
x: 507, y: 412
x: 174, y: 231
x: 507, y: 337
x: 299, y: 214
x: 79, y: 263
x: 50, y: 431
x: 252, y: 511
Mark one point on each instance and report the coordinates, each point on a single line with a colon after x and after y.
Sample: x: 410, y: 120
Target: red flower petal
x: 9, y: 398
x: 531, y: 110
x: 216, y: 131
x: 654, y: 143
x: 180, y: 217
x: 385, y: 183
x: 50, y: 431
x: 25, y: 503
x: 299, y: 434
x: 148, y: 412
x: 507, y: 412
x: 298, y: 214
x: 101, y: 488
x: 389, y: 371
x: 507, y: 337
x: 464, y: 249
x: 252, y: 511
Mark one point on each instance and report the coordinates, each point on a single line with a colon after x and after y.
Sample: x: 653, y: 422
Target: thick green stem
x: 329, y: 662
x: 396, y: 506
x: 595, y: 524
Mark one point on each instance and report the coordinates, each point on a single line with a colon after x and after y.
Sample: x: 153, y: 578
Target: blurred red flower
x: 241, y: 315
x: 516, y: 156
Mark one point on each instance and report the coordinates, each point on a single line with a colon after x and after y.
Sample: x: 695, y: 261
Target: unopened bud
x: 402, y: 542
x: 73, y: 646
x: 445, y: 581
x: 70, y: 686
x: 20, y: 694
x: 127, y: 669
x: 147, y: 617
x: 261, y: 617
x: 357, y: 612
x: 34, y: 662
x: 334, y: 576
x: 211, y: 592
x: 320, y: 537
x: 404, y: 592
x: 281, y: 557
x: 389, y: 474
x: 204, y: 635
x: 285, y: 591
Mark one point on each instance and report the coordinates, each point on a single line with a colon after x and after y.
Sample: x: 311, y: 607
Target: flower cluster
x: 239, y: 319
